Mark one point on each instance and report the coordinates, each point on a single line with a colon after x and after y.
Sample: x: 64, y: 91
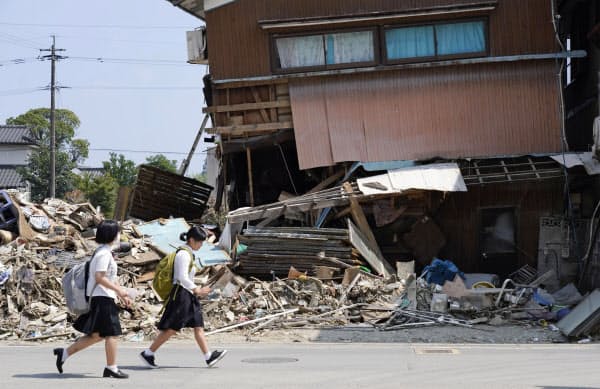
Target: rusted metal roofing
x: 15, y: 135
x: 9, y: 178
x: 479, y: 110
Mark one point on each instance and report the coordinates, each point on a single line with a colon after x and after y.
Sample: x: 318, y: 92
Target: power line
x: 132, y: 61
x: 116, y: 26
x: 18, y: 41
x: 101, y: 87
x: 132, y: 87
x: 16, y: 61
x: 146, y: 151
x: 104, y: 39
x: 11, y: 92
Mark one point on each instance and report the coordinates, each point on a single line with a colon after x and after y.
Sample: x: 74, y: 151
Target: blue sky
x: 134, y: 100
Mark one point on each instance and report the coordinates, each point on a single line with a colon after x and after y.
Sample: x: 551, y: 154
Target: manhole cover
x: 270, y: 360
x: 436, y: 351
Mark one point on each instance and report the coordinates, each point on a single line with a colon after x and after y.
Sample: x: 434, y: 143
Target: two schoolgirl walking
x: 102, y: 321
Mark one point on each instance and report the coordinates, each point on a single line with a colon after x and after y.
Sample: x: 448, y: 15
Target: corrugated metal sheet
x: 15, y: 135
x: 460, y: 111
x: 586, y: 159
x: 444, y: 177
x: 239, y: 48
x: 9, y: 178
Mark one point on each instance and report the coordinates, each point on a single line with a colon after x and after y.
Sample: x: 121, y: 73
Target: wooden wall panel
x: 239, y: 48
x: 459, y: 218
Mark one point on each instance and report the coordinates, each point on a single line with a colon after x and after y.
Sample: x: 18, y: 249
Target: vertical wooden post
x: 250, y: 183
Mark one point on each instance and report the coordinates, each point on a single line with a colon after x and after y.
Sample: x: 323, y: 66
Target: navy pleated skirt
x: 102, y: 318
x: 183, y: 310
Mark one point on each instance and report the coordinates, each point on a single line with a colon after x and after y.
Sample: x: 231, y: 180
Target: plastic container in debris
x: 8, y: 216
x: 439, y: 303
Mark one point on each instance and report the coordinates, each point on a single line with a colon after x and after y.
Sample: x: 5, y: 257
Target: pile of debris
x: 275, y: 250
x: 284, y: 277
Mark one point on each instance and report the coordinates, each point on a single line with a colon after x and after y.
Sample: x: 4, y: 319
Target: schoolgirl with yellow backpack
x: 173, y: 282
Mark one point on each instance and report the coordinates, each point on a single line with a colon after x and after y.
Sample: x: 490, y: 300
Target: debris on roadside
x: 267, y: 278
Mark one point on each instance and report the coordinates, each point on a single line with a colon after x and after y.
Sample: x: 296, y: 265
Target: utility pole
x: 53, y: 58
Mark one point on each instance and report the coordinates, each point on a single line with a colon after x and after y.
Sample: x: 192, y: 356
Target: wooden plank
x: 359, y: 217
x: 328, y: 181
x: 250, y: 182
x: 247, y: 106
x: 370, y: 254
x: 272, y: 97
x: 533, y: 168
x: 158, y: 193
x: 257, y: 99
x: 244, y: 128
x: 281, y: 209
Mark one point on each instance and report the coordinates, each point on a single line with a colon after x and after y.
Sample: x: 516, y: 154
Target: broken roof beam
x: 245, y: 128
x: 247, y: 106
x: 327, y: 198
x: 369, y: 252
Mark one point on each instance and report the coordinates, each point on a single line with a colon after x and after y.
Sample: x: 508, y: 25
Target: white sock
x: 148, y: 352
x: 208, y: 355
x: 65, y: 354
x: 113, y: 368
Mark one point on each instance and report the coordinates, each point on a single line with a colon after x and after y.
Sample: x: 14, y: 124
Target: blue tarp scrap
x: 165, y: 233
x: 440, y: 271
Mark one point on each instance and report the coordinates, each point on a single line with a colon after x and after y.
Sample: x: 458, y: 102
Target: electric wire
x: 145, y: 151
x: 91, y: 26
x: 18, y: 41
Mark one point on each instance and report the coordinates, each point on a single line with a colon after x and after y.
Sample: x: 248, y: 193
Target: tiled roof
x: 9, y: 178
x: 15, y: 135
x: 93, y: 172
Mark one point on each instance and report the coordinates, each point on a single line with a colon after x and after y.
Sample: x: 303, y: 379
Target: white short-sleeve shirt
x: 182, y: 274
x: 103, y: 261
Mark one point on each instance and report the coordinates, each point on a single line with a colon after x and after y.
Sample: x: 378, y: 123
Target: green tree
x: 100, y: 191
x: 162, y: 162
x: 122, y: 170
x: 200, y: 177
x: 69, y: 151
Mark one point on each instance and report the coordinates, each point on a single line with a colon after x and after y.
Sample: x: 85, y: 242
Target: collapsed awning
x: 445, y: 177
x: 569, y: 160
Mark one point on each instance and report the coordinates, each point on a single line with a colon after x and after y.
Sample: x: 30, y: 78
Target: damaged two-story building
x: 306, y: 94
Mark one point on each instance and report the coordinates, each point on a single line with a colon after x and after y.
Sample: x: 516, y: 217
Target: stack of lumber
x: 277, y: 249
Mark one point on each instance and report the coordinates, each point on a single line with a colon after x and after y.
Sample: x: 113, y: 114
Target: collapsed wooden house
x: 305, y: 94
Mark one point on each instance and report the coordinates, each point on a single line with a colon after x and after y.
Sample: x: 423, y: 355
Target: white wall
x: 212, y: 169
x: 14, y: 154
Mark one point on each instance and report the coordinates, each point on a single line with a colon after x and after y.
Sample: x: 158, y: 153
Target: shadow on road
x: 161, y: 367
x: 54, y: 376
x: 568, y: 387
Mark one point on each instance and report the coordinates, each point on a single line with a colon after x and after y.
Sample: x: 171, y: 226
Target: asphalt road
x: 312, y: 365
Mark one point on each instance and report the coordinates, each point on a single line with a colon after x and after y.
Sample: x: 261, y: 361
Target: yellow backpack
x: 163, y: 276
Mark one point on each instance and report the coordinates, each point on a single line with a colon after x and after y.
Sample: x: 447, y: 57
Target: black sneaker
x: 215, y: 357
x: 148, y: 360
x: 59, y: 362
x: 114, y: 374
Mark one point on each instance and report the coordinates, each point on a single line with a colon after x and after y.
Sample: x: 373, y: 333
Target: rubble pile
x: 298, y: 278
x: 276, y: 249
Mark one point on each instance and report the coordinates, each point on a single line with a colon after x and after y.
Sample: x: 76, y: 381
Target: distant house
x: 16, y: 144
x: 93, y: 172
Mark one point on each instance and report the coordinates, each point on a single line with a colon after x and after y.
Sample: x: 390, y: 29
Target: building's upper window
x: 434, y: 41
x: 322, y: 50
x: 398, y: 44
